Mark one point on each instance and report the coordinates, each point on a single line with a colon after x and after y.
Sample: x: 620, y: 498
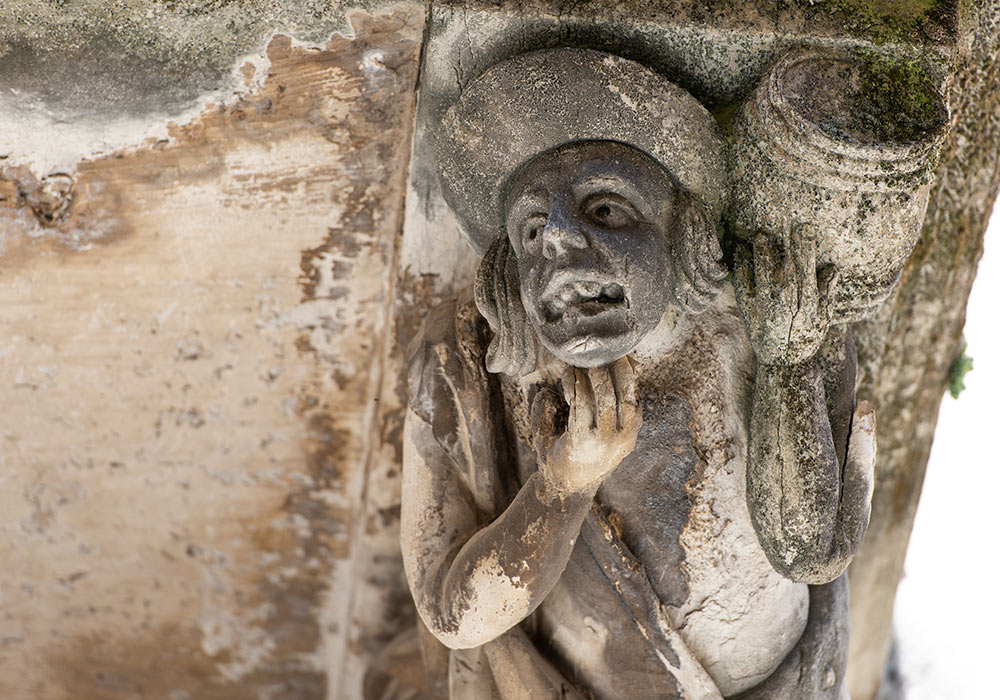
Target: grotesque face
x: 589, y: 224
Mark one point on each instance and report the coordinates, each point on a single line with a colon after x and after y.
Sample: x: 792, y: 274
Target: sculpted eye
x: 610, y: 211
x: 532, y: 227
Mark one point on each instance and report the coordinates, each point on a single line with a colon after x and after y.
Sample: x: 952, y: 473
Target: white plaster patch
x: 741, y: 632
x: 493, y: 592
x: 628, y: 101
x: 246, y: 644
x: 433, y: 245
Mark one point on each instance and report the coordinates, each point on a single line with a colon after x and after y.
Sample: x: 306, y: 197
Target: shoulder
x: 447, y: 357
x: 455, y: 399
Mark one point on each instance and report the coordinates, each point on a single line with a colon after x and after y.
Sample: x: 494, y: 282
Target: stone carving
x: 622, y: 477
x: 805, y: 151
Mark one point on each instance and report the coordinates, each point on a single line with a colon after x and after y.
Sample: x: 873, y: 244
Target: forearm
x: 793, y: 475
x: 500, y: 575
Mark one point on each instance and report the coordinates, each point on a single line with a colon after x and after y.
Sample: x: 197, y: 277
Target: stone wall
x: 194, y: 337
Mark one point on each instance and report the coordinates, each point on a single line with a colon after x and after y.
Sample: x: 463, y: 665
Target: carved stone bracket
x: 611, y: 379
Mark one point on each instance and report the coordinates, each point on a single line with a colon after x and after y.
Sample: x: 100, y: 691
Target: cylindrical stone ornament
x: 812, y: 152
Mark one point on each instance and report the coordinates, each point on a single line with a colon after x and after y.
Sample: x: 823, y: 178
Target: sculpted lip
x: 573, y: 296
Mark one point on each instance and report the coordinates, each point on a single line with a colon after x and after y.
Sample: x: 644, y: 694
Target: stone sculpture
x: 625, y: 476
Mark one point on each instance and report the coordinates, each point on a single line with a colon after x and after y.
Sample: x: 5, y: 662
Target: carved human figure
x: 613, y: 487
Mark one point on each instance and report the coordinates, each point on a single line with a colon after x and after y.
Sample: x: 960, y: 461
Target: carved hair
x: 514, y: 348
x: 696, y: 273
x: 694, y: 276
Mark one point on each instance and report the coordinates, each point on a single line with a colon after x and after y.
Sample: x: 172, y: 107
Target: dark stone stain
x: 651, y: 487
x: 374, y: 161
x: 414, y: 295
x: 101, y: 74
x: 326, y: 458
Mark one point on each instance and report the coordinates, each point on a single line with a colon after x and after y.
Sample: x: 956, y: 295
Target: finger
x: 804, y: 260
x: 584, y: 402
x: 623, y: 379
x: 687, y: 297
x: 859, y: 476
x: 764, y: 264
x: 694, y: 299
x: 787, y: 259
x: 710, y: 259
x: 714, y: 270
x: 828, y: 278
x: 544, y: 409
x: 690, y: 255
x: 568, y: 381
x: 605, y: 405
x: 785, y: 289
x: 624, y: 376
x: 704, y: 249
x: 632, y: 412
x: 741, y: 271
x: 691, y: 300
x: 706, y: 265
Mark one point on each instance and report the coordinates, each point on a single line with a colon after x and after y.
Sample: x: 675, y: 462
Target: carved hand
x: 604, y: 420
x: 784, y: 299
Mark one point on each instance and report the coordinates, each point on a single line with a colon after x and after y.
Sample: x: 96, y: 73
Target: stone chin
x: 592, y: 351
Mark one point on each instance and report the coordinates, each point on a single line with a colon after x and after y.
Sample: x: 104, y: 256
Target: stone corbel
x: 608, y: 352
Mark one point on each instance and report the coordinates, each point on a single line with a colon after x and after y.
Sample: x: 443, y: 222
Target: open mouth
x: 582, y: 298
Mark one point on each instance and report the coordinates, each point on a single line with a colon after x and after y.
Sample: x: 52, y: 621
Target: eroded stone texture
x: 749, y: 469
x: 93, y: 57
x: 193, y: 339
x: 905, y: 355
x: 189, y: 434
x: 806, y: 155
x: 464, y: 38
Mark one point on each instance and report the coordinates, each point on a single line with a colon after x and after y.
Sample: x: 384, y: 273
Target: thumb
x: 547, y: 420
x: 859, y: 476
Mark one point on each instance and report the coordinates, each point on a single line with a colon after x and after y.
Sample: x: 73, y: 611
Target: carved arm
x: 471, y: 583
x: 811, y: 451
x: 810, y: 510
x: 476, y: 573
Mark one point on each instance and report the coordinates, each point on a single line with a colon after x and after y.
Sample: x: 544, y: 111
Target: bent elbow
x: 815, y: 572
x: 470, y: 623
x: 810, y: 564
x: 457, y: 640
x: 459, y: 635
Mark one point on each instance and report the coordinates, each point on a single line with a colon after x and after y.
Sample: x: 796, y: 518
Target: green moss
x: 898, y: 100
x: 956, y: 375
x: 888, y: 20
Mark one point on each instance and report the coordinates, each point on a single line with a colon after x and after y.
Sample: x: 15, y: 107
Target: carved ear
x: 696, y: 271
x: 514, y: 349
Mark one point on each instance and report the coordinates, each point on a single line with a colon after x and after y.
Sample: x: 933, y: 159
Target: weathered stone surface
x: 88, y: 57
x: 905, y: 355
x: 570, y: 168
x: 196, y: 503
x: 806, y: 155
x: 464, y: 39
x: 194, y: 334
x: 717, y: 51
x: 518, y: 109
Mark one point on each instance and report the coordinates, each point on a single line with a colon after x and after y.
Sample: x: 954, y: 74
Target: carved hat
x: 537, y: 101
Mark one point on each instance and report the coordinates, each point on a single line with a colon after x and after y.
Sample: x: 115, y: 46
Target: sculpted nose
x: 559, y: 237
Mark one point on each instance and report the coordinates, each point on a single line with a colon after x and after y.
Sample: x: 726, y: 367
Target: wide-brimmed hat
x: 537, y: 101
